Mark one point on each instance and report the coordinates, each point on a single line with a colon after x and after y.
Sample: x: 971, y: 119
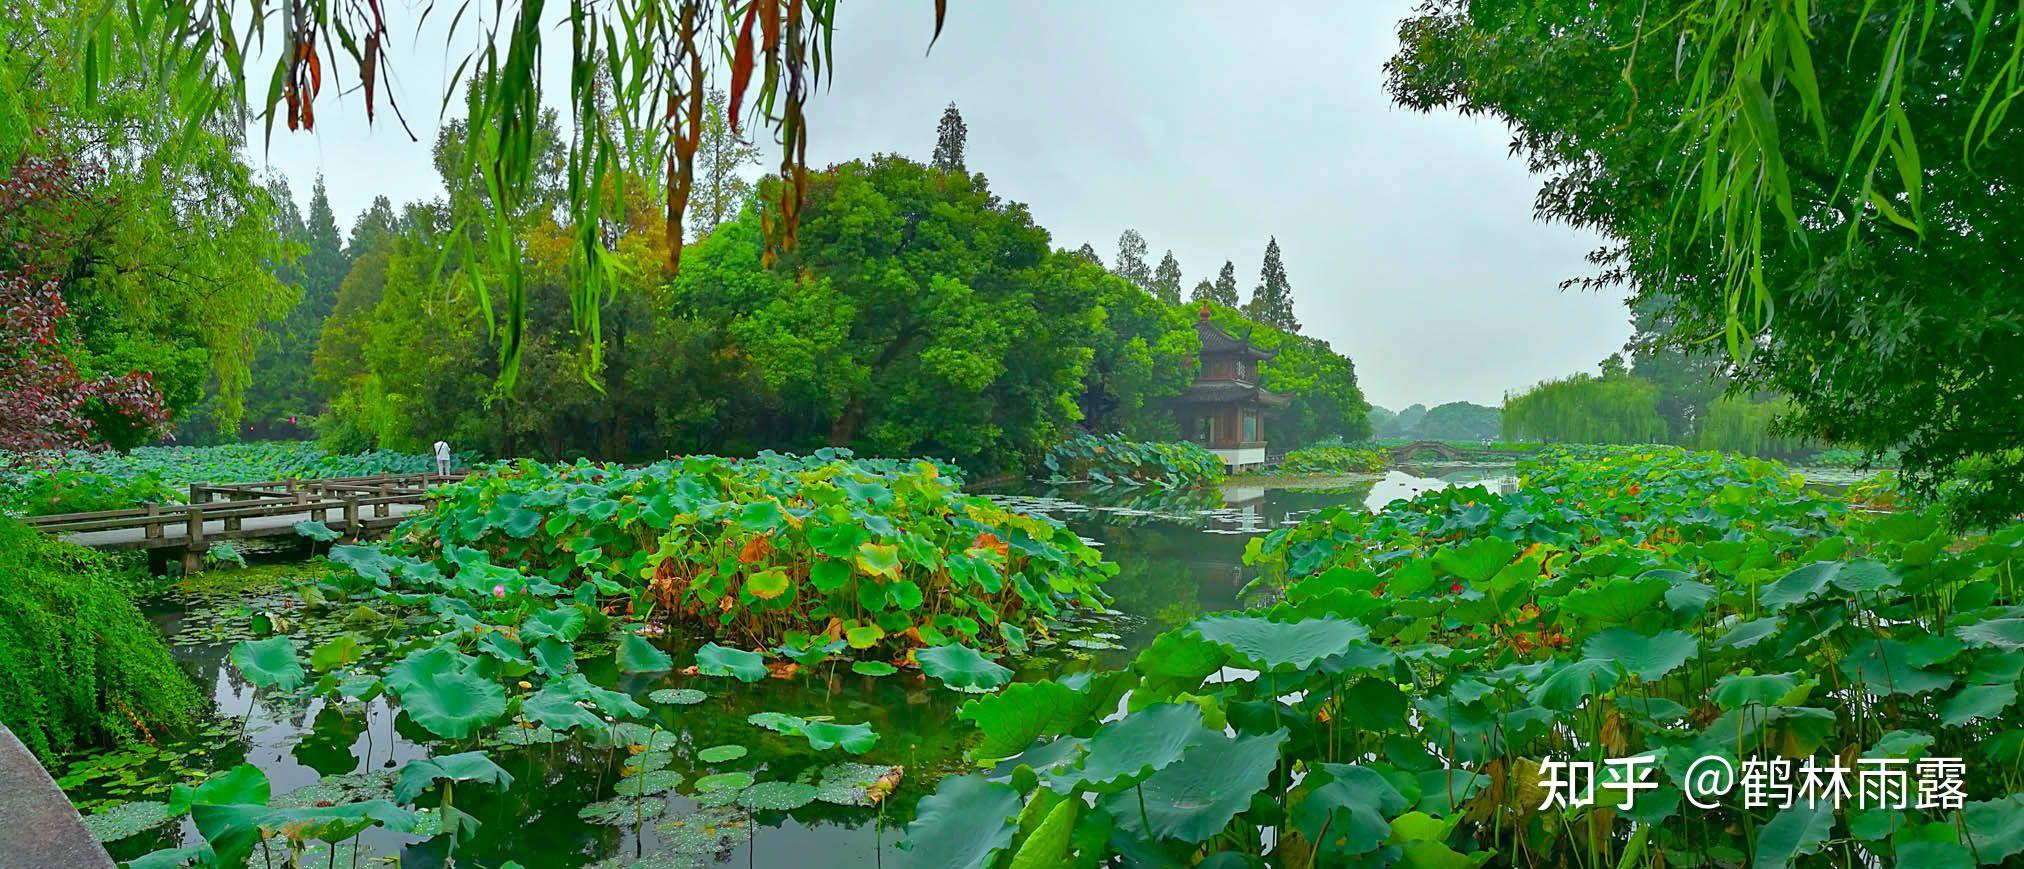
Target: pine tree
x: 1089, y: 253
x: 1167, y: 280
x: 1226, y: 285
x: 720, y: 191
x: 1203, y: 292
x: 1272, y: 300
x: 282, y: 395
x: 949, y: 141
x: 1131, y: 260
x: 376, y: 225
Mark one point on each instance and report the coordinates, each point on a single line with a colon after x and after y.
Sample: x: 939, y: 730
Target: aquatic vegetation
x: 79, y: 665
x: 1334, y: 460
x: 1430, y: 665
x: 773, y: 552
x: 1113, y: 460
x: 225, y: 463
x: 68, y: 490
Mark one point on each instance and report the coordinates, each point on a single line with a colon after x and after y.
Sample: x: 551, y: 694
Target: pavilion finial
x: 1205, y: 309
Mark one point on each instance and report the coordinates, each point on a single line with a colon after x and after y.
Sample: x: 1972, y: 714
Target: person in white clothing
x: 443, y: 457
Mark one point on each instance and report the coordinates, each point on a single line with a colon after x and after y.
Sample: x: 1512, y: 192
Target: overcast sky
x: 1208, y: 127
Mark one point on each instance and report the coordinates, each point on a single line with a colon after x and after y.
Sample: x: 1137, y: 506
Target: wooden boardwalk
x: 352, y: 506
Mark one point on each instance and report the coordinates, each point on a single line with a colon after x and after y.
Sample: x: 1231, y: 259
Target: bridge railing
x: 343, y: 504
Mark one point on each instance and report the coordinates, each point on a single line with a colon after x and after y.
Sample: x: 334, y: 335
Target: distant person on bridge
x: 443, y: 458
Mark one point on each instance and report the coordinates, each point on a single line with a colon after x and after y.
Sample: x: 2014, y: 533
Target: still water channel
x: 1180, y: 555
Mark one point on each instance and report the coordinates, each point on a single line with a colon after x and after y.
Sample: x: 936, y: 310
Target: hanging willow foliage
x: 637, y: 78
x: 1747, y: 54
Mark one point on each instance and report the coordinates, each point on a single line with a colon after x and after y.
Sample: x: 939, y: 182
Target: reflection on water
x: 1179, y: 554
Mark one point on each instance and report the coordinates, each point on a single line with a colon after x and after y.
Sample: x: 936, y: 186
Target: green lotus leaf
x: 1279, y: 646
x: 778, y: 722
x: 1798, y: 585
x: 721, y: 753
x: 2005, y: 634
x: 622, y: 811
x: 316, y: 531
x: 1793, y: 832
x: 126, y: 819
x: 878, y: 559
x: 1126, y: 751
x: 556, y: 708
x: 777, y: 796
x: 715, y: 660
x: 1573, y: 682
x: 873, y: 668
x: 342, y: 651
x: 1476, y: 561
x: 1648, y: 658
x: 1051, y: 842
x: 565, y: 622
x: 962, y: 668
x: 852, y: 738
x: 637, y: 654
x: 724, y: 781
x: 269, y: 663
x: 677, y: 696
x: 962, y: 825
x: 1977, y: 702
x: 471, y: 766
x: 849, y: 783
x: 1888, y: 667
x: 1012, y: 719
x: 1995, y: 828
x: 1749, y: 633
x: 1735, y: 691
x: 1195, y: 797
x: 1618, y: 600
x: 455, y: 705
x: 651, y: 781
x: 829, y: 575
x: 1348, y: 810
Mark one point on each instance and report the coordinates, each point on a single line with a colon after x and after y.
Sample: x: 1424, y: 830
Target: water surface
x: 1180, y: 554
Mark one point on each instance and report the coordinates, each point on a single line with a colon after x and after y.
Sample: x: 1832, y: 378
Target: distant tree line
x: 919, y: 314
x: 1454, y: 421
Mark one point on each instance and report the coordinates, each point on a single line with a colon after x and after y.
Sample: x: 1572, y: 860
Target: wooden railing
x: 352, y: 506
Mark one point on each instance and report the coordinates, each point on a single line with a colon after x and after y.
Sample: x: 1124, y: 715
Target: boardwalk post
x: 193, y: 542
x: 153, y: 530
x: 351, y: 526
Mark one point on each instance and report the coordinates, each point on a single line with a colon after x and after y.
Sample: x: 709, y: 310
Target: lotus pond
x: 1070, y: 674
x: 778, y: 799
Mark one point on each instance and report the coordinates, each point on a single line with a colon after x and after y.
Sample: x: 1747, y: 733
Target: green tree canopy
x: 1835, y: 194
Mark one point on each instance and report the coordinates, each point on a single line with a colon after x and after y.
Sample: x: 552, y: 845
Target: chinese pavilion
x: 1225, y: 409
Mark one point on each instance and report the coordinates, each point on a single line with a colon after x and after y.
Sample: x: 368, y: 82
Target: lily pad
x: 269, y: 663
x: 1269, y: 645
x: 724, y: 781
x: 962, y: 668
x: 715, y: 660
x: 622, y: 811
x: 1196, y: 796
x: 127, y: 819
x: 721, y: 753
x: 962, y: 825
x: 649, y: 782
x: 677, y: 696
x: 777, y: 796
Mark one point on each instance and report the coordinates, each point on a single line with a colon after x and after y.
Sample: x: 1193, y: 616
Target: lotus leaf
x: 962, y: 668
